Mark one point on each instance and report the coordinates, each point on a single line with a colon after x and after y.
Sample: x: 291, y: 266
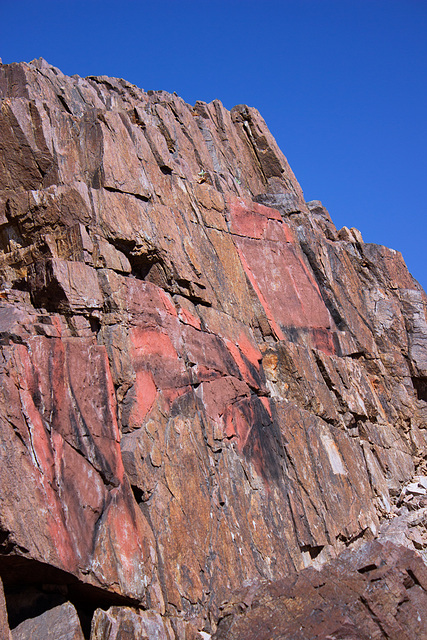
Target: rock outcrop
x: 207, y: 391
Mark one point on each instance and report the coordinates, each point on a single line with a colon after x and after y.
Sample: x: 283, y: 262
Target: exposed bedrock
x: 206, y: 389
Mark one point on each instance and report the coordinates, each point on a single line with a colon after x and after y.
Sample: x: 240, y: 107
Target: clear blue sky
x: 342, y: 85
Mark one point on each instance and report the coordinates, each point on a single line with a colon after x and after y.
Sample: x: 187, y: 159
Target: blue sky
x: 342, y: 84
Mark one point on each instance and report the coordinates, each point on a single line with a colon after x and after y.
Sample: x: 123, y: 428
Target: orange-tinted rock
x: 203, y: 383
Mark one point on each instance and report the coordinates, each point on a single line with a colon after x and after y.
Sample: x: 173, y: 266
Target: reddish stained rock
x: 74, y: 473
x: 277, y: 271
x: 249, y: 370
x: 143, y: 397
x: 151, y: 342
x: 253, y: 221
x: 188, y: 318
x: 218, y: 394
x: 203, y: 383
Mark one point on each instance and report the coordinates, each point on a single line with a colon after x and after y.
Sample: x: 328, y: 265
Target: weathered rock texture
x: 204, y: 385
x: 375, y: 592
x: 59, y: 623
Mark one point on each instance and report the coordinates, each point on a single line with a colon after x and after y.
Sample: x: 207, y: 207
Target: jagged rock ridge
x: 205, y: 387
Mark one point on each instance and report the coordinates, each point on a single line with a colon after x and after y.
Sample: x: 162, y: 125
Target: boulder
x: 59, y: 623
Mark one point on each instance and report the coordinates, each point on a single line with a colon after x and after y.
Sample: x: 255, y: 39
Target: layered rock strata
x: 204, y: 385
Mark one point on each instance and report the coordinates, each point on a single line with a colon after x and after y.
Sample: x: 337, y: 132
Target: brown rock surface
x: 203, y: 384
x: 123, y: 623
x: 375, y: 592
x: 4, y: 622
x: 59, y: 623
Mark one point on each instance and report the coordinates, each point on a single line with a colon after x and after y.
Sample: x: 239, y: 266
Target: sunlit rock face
x: 205, y: 387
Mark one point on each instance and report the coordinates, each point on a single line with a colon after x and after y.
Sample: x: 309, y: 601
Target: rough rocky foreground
x: 213, y: 403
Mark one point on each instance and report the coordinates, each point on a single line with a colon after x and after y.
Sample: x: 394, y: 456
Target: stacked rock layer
x: 207, y: 391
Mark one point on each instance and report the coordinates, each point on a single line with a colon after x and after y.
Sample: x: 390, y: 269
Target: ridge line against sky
x: 341, y: 85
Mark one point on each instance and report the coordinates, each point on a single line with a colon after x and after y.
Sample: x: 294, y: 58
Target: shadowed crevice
x: 33, y: 587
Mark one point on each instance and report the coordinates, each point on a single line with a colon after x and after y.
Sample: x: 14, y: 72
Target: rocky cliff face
x: 213, y: 404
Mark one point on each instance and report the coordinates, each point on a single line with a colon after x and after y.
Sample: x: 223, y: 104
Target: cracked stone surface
x: 205, y: 386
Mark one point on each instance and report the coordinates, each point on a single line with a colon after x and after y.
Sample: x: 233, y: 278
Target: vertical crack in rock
x: 207, y: 390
